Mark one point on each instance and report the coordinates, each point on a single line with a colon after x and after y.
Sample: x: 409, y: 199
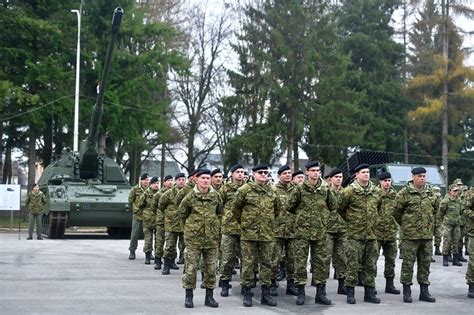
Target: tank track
x: 56, y: 224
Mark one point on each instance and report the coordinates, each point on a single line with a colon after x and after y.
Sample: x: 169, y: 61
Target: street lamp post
x: 78, y: 61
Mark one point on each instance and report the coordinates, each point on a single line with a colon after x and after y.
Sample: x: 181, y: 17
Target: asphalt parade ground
x: 92, y: 274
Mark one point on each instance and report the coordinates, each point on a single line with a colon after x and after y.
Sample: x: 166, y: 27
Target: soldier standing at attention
x: 137, y: 227
x: 438, y: 231
x: 216, y: 179
x: 312, y: 202
x: 463, y: 239
x: 145, y: 204
x: 415, y: 212
x: 230, y: 242
x: 359, y: 206
x: 337, y: 239
x: 283, y: 255
x: 256, y: 205
x: 35, y: 202
x: 179, y: 197
x: 297, y: 177
x: 469, y: 212
x: 173, y: 223
x: 450, y: 215
x: 160, y: 221
x: 387, y: 229
x: 200, y: 209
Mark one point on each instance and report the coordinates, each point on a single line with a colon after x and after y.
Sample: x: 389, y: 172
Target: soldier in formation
x: 148, y: 210
x: 449, y: 214
x: 469, y: 212
x: 35, y: 202
x: 133, y: 203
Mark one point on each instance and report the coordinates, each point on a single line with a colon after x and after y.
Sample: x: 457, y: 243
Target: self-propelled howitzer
x: 86, y: 188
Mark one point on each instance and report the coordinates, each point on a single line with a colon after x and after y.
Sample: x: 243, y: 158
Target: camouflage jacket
x: 469, y: 212
x: 387, y: 227
x: 159, y: 217
x: 169, y: 209
x: 145, y: 203
x: 256, y: 207
x: 133, y: 199
x: 336, y: 223
x: 312, y: 205
x: 462, y: 201
x: 229, y: 222
x: 35, y: 202
x: 200, y: 213
x: 184, y: 191
x: 285, y: 222
x: 449, y: 212
x: 415, y: 212
x: 360, y: 208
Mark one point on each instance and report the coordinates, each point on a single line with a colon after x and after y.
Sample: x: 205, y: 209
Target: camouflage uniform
x: 173, y: 223
x: 337, y: 240
x: 463, y: 238
x: 145, y: 203
x: 312, y: 205
x: 387, y: 229
x: 438, y: 230
x: 159, y: 224
x: 35, y: 202
x: 200, y: 213
x: 255, y: 208
x: 449, y: 214
x: 179, y: 197
x: 360, y: 207
x: 284, y: 232
x: 230, y: 242
x: 415, y: 212
x: 137, y: 227
x: 469, y: 213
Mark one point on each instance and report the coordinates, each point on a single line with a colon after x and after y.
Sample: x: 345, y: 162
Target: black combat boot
x: 274, y: 288
x: 247, y: 293
x: 173, y: 265
x: 166, y: 267
x: 151, y: 256
x: 460, y: 256
x: 390, y: 288
x: 470, y: 293
x: 209, y: 299
x: 301, y: 295
x: 290, y: 287
x: 350, y: 295
x: 466, y: 252
x: 456, y: 260
x: 407, y: 293
x: 225, y: 288
x: 180, y: 260
x: 341, y: 288
x: 437, y: 251
x: 229, y: 285
x: 29, y: 237
x: 360, y: 282
x: 147, y: 258
x: 237, y: 264
x: 369, y: 296
x: 320, y: 297
x: 157, y: 263
x: 425, y: 294
x: 281, y: 275
x: 39, y: 237
x: 445, y: 261
x: 188, y: 300
x: 267, y: 299
x: 450, y: 257
x: 132, y: 255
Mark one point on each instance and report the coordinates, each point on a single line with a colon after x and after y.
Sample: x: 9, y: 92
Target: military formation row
x: 273, y: 229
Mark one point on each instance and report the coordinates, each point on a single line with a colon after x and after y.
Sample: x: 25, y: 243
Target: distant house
x: 153, y: 168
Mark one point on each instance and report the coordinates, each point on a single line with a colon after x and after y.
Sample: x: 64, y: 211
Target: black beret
x: 334, y: 172
x: 202, y: 171
x: 418, y: 170
x: 298, y: 172
x: 235, y: 167
x: 154, y: 179
x: 260, y: 167
x: 282, y: 169
x: 311, y: 164
x: 361, y: 167
x: 192, y: 173
x: 215, y: 171
x: 179, y: 175
x: 167, y: 177
x: 144, y: 176
x: 384, y: 175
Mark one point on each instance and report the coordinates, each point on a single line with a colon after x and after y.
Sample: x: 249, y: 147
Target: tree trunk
x: 48, y: 144
x: 31, y: 159
x: 163, y: 161
x: 7, y: 166
x: 445, y: 120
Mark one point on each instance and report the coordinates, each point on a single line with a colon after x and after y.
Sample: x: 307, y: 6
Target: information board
x: 10, y: 197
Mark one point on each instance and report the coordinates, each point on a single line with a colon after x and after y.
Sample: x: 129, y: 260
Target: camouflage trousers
x: 362, y: 255
x: 137, y: 230
x: 463, y: 238
x: 319, y: 261
x: 253, y: 253
x: 149, y: 232
x: 192, y: 258
x: 419, y: 251
x: 470, y: 266
x: 230, y: 250
x: 337, y: 244
x: 451, y: 236
x: 171, y: 239
x: 438, y: 234
x: 159, y: 240
x: 32, y: 219
x: 283, y: 253
x: 390, y: 249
